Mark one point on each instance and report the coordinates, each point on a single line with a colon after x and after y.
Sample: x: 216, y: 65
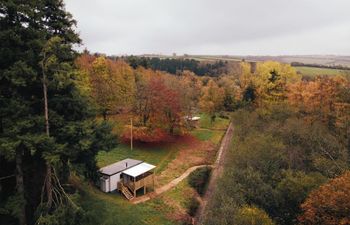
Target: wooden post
x: 134, y: 188
x: 153, y: 181
x: 131, y: 134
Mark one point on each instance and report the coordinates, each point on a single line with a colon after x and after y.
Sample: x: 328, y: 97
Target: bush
x: 192, y: 206
x: 198, y: 179
x: 252, y: 216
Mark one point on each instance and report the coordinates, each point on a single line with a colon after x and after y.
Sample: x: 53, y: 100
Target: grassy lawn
x: 314, y: 71
x: 208, y: 135
x: 210, y: 131
x: 159, y: 155
x: 218, y: 124
x: 111, y: 209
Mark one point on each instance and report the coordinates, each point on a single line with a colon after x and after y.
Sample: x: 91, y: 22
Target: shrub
x: 192, y: 206
x: 198, y: 179
x: 252, y: 216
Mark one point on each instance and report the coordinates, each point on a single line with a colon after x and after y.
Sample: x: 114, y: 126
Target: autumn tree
x: 318, y: 98
x: 189, y: 89
x: 111, y: 84
x: 271, y: 81
x: 329, y: 204
x: 142, y: 106
x: 231, y: 92
x: 212, y: 98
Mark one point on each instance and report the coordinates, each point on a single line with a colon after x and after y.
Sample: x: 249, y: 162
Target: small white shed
x: 110, y: 175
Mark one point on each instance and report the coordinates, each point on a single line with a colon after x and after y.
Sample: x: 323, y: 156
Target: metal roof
x: 119, y: 166
x: 192, y: 118
x: 139, y: 169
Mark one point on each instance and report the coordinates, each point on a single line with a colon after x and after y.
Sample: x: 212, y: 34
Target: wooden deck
x: 133, y: 184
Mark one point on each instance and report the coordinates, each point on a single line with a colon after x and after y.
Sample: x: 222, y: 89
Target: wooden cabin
x: 127, y: 176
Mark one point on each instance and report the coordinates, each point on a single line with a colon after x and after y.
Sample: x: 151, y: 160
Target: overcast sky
x: 230, y: 27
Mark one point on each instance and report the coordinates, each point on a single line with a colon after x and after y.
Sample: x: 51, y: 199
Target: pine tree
x: 36, y: 40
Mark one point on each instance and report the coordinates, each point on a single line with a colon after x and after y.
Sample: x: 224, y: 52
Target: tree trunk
x: 48, y: 184
x: 20, y: 188
x: 1, y: 126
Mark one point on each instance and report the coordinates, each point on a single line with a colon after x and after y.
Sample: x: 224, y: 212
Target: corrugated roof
x: 139, y: 169
x: 119, y: 166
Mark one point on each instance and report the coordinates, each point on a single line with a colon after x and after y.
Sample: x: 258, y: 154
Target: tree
x: 318, y: 98
x: 292, y: 190
x: 37, y: 37
x: 272, y: 80
x: 189, y: 90
x: 329, y: 204
x: 248, y: 215
x: 212, y: 99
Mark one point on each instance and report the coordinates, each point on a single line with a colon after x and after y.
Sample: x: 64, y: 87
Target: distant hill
x: 327, y: 60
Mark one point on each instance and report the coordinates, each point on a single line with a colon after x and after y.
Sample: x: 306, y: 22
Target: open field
x: 328, y: 60
x: 315, y: 71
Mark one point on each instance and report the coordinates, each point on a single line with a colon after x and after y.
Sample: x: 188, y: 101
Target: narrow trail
x: 215, y: 172
x: 218, y: 169
x: 166, y: 187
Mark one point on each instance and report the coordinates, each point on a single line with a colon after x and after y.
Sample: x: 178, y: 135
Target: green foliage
x: 64, y: 215
x: 252, y: 216
x: 277, y: 169
x: 193, y: 206
x: 36, y: 40
x: 292, y: 190
x: 199, y: 178
x: 178, y: 65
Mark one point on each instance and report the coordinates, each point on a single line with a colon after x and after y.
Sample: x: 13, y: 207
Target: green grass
x: 314, y: 71
x: 208, y: 135
x: 156, y: 155
x: 182, y: 193
x: 219, y: 123
x: 111, y: 209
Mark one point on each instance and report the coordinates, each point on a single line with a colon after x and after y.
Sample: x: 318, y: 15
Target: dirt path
x: 166, y: 187
x: 217, y: 171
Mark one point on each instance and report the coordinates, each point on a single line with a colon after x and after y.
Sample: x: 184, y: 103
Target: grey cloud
x: 213, y: 26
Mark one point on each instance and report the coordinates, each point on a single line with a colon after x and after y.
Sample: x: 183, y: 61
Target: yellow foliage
x: 271, y: 81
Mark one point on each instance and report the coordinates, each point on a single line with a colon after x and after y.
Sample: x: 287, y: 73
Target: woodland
x: 289, y: 158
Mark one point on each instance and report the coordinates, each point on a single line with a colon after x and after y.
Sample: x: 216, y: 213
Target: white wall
x: 110, y: 184
x: 114, y: 181
x: 104, y: 184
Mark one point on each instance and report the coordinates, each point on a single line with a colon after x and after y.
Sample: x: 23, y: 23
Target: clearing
x: 315, y: 71
x: 173, y: 159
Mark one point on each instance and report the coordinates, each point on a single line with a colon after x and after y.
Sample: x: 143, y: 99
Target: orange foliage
x: 316, y: 97
x: 328, y: 205
x: 144, y: 134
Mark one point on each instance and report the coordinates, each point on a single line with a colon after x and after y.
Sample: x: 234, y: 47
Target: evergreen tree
x: 36, y: 60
